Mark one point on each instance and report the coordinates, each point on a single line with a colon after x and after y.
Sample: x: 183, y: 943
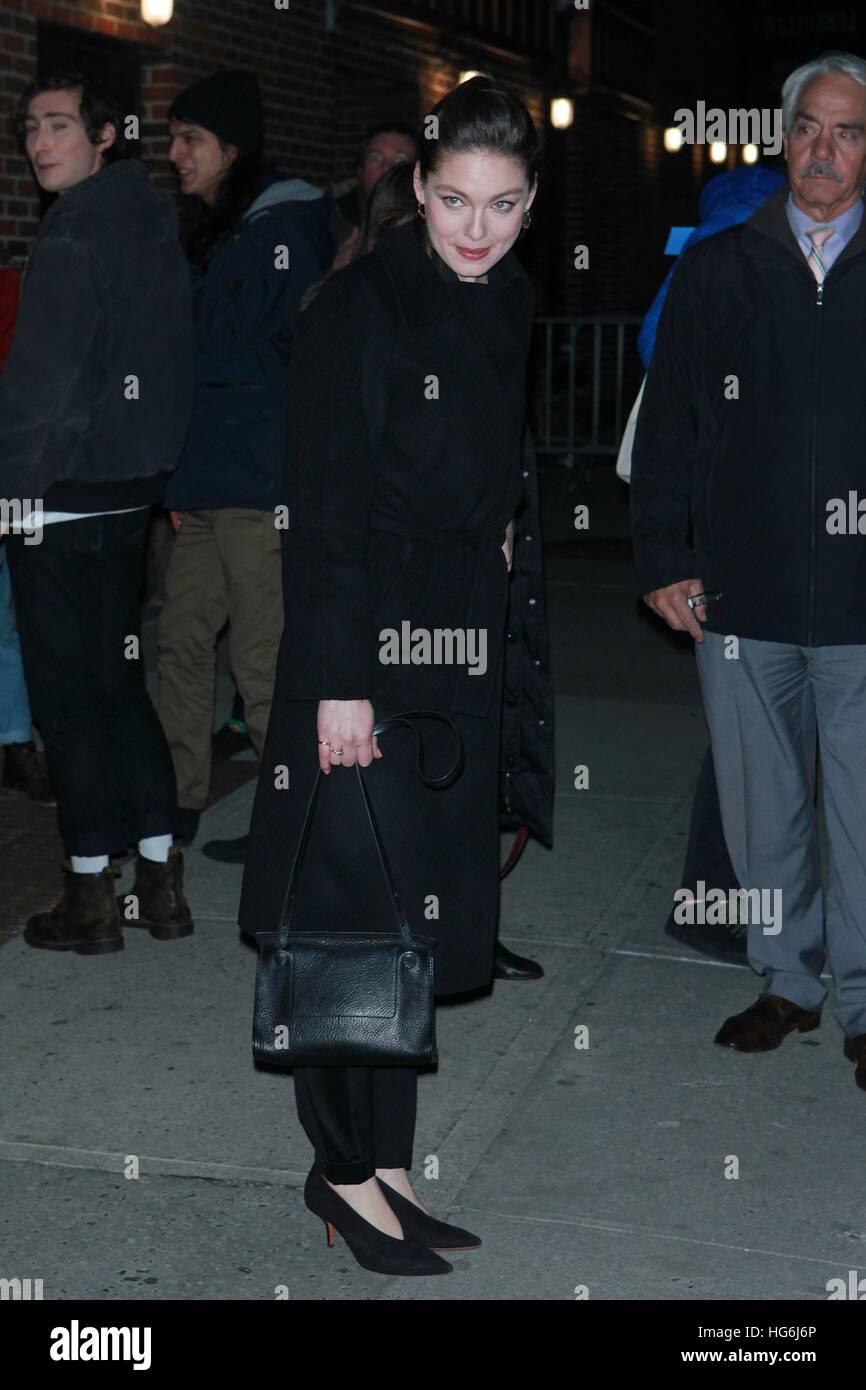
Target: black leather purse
x: 348, y: 999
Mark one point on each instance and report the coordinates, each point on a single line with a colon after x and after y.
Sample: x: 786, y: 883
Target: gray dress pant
x: 766, y: 706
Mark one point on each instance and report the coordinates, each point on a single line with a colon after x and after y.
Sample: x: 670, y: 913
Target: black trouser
x: 77, y: 597
x: 707, y: 855
x: 358, y: 1119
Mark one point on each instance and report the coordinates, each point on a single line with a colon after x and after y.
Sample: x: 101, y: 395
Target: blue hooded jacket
x: 245, y: 304
x: 727, y: 199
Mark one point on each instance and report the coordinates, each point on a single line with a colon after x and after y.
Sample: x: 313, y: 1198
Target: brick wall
x: 322, y: 88
x: 290, y: 50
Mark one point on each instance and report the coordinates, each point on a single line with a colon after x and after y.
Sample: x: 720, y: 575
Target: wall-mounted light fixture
x: 673, y: 139
x: 157, y: 12
x: 750, y: 154
x: 561, y: 113
x: 718, y: 151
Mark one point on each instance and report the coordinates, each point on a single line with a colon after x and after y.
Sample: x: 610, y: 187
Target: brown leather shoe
x: 85, y: 920
x: 162, y: 908
x: 855, y: 1051
x: 766, y: 1024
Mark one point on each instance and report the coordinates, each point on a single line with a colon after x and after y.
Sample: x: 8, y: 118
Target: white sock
x: 156, y: 847
x: 88, y: 864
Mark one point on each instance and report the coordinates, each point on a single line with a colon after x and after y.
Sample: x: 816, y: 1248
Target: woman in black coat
x: 404, y: 471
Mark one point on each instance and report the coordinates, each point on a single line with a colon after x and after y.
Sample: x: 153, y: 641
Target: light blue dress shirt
x: 846, y: 225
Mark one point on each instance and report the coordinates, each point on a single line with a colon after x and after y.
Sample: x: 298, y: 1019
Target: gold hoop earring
x: 526, y: 221
x: 422, y: 212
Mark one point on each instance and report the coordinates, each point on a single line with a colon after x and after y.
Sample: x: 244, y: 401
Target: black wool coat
x: 404, y: 466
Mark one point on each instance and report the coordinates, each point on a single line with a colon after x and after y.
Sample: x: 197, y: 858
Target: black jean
x: 77, y: 597
x: 358, y: 1119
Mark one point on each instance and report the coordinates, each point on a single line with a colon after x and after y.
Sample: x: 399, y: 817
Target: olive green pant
x: 225, y: 567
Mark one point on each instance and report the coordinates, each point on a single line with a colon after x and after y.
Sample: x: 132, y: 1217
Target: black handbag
x: 348, y: 999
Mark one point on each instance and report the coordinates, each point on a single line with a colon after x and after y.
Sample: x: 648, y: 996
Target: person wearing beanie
x: 228, y: 105
x: 255, y: 240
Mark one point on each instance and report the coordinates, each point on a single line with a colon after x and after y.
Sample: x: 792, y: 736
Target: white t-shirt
x: 35, y: 520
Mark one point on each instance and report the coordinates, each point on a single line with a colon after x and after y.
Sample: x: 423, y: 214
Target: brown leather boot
x: 161, y: 906
x: 766, y: 1024
x: 85, y: 920
x: 24, y: 771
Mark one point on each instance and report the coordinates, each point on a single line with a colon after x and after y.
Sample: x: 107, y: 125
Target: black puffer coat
x: 527, y: 757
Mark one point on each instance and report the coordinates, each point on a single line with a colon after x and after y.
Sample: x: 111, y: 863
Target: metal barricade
x: 586, y: 373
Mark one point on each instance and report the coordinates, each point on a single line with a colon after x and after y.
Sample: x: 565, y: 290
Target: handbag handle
x: 294, y: 877
x: 394, y: 720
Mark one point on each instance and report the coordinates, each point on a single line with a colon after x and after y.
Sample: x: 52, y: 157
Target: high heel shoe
x: 425, y: 1229
x: 372, y: 1248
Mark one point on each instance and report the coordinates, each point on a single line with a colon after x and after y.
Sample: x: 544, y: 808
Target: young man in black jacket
x: 94, y: 406
x: 747, y: 464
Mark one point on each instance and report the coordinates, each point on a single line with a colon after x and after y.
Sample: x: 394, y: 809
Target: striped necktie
x: 814, y: 260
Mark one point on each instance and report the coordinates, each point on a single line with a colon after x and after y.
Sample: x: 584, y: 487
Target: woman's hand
x: 509, y: 544
x: 346, y: 724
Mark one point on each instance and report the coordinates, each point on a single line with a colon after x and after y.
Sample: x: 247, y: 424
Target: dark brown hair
x: 478, y: 115
x: 392, y: 202
x: 202, y: 226
x: 95, y: 107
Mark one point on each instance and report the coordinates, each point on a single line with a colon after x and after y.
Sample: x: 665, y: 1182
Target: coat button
x: 536, y: 662
x: 527, y: 538
x: 541, y: 721
x: 525, y: 473
x: 532, y: 603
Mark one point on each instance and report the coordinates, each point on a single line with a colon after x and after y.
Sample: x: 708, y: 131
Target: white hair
x: 847, y: 63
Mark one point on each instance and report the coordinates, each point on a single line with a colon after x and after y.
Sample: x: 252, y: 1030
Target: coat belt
x: 487, y: 600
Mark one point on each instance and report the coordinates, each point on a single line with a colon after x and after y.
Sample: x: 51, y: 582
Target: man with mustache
x: 749, y: 440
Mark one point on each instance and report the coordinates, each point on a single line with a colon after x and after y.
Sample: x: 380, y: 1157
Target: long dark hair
x: 477, y: 116
x: 203, y: 226
x: 391, y: 203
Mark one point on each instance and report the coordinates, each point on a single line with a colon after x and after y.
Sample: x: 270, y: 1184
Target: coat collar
x: 428, y: 294
x: 771, y: 220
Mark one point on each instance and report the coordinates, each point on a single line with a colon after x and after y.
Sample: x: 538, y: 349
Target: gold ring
x: 338, y: 751
x: 326, y: 742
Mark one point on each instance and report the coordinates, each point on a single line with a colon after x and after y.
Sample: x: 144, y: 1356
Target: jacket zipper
x: 819, y: 300
x: 813, y: 434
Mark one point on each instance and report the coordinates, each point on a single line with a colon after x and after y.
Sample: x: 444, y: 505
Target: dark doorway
x: 115, y: 65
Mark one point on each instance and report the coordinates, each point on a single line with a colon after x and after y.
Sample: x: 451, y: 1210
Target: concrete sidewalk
x: 601, y: 1167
